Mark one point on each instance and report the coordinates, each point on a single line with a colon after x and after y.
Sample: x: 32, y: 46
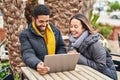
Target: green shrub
x: 114, y: 6
x: 4, y: 71
x: 17, y: 76
x: 105, y: 30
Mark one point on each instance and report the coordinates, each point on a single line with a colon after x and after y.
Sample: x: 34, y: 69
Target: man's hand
x: 42, y: 69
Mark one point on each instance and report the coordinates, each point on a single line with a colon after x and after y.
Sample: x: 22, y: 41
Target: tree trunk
x: 63, y: 10
x: 87, y: 7
x: 14, y: 23
x: 30, y: 4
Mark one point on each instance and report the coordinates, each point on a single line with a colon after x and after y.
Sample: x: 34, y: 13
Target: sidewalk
x: 113, y: 45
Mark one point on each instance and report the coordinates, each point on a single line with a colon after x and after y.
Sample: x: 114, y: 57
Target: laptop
x: 61, y: 62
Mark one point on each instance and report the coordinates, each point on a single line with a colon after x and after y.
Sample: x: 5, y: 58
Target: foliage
x: 105, y: 30
x: 4, y: 71
x: 17, y: 76
x: 93, y: 18
x: 114, y: 6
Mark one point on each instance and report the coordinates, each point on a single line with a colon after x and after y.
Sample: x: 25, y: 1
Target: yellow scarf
x: 48, y: 37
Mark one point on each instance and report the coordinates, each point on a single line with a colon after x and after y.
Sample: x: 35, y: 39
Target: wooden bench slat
x: 36, y: 74
x: 48, y: 77
x: 86, y: 75
x: 94, y: 73
x: 63, y: 76
x: 72, y: 77
x: 55, y: 76
x: 28, y: 73
x: 98, y: 73
x: 90, y: 73
x: 75, y: 73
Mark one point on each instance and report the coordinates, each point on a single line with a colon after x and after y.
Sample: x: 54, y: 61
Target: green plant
x: 17, y: 76
x: 4, y: 69
x: 114, y: 6
x: 105, y: 30
x: 93, y: 19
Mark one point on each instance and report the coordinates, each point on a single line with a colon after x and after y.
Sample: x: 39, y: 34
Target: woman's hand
x: 42, y: 69
x: 72, y: 52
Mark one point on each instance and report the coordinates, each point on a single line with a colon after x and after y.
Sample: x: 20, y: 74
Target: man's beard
x: 40, y: 26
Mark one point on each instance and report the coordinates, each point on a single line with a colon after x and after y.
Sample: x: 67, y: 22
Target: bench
x: 116, y: 60
x: 81, y: 72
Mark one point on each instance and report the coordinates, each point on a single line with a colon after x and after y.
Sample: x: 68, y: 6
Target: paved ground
x: 114, y: 47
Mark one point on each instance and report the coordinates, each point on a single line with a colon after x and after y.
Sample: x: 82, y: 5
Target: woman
x: 85, y: 40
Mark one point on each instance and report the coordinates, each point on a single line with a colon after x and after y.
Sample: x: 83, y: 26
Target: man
x: 40, y: 39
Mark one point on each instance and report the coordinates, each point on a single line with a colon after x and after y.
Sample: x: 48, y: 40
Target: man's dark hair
x: 41, y: 10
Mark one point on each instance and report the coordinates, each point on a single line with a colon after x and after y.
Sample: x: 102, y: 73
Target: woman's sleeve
x: 98, y: 55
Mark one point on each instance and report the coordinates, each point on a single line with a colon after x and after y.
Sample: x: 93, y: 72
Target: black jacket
x: 33, y: 47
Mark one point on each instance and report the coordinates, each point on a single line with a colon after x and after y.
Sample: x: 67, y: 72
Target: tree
x: 30, y: 4
x: 14, y: 23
